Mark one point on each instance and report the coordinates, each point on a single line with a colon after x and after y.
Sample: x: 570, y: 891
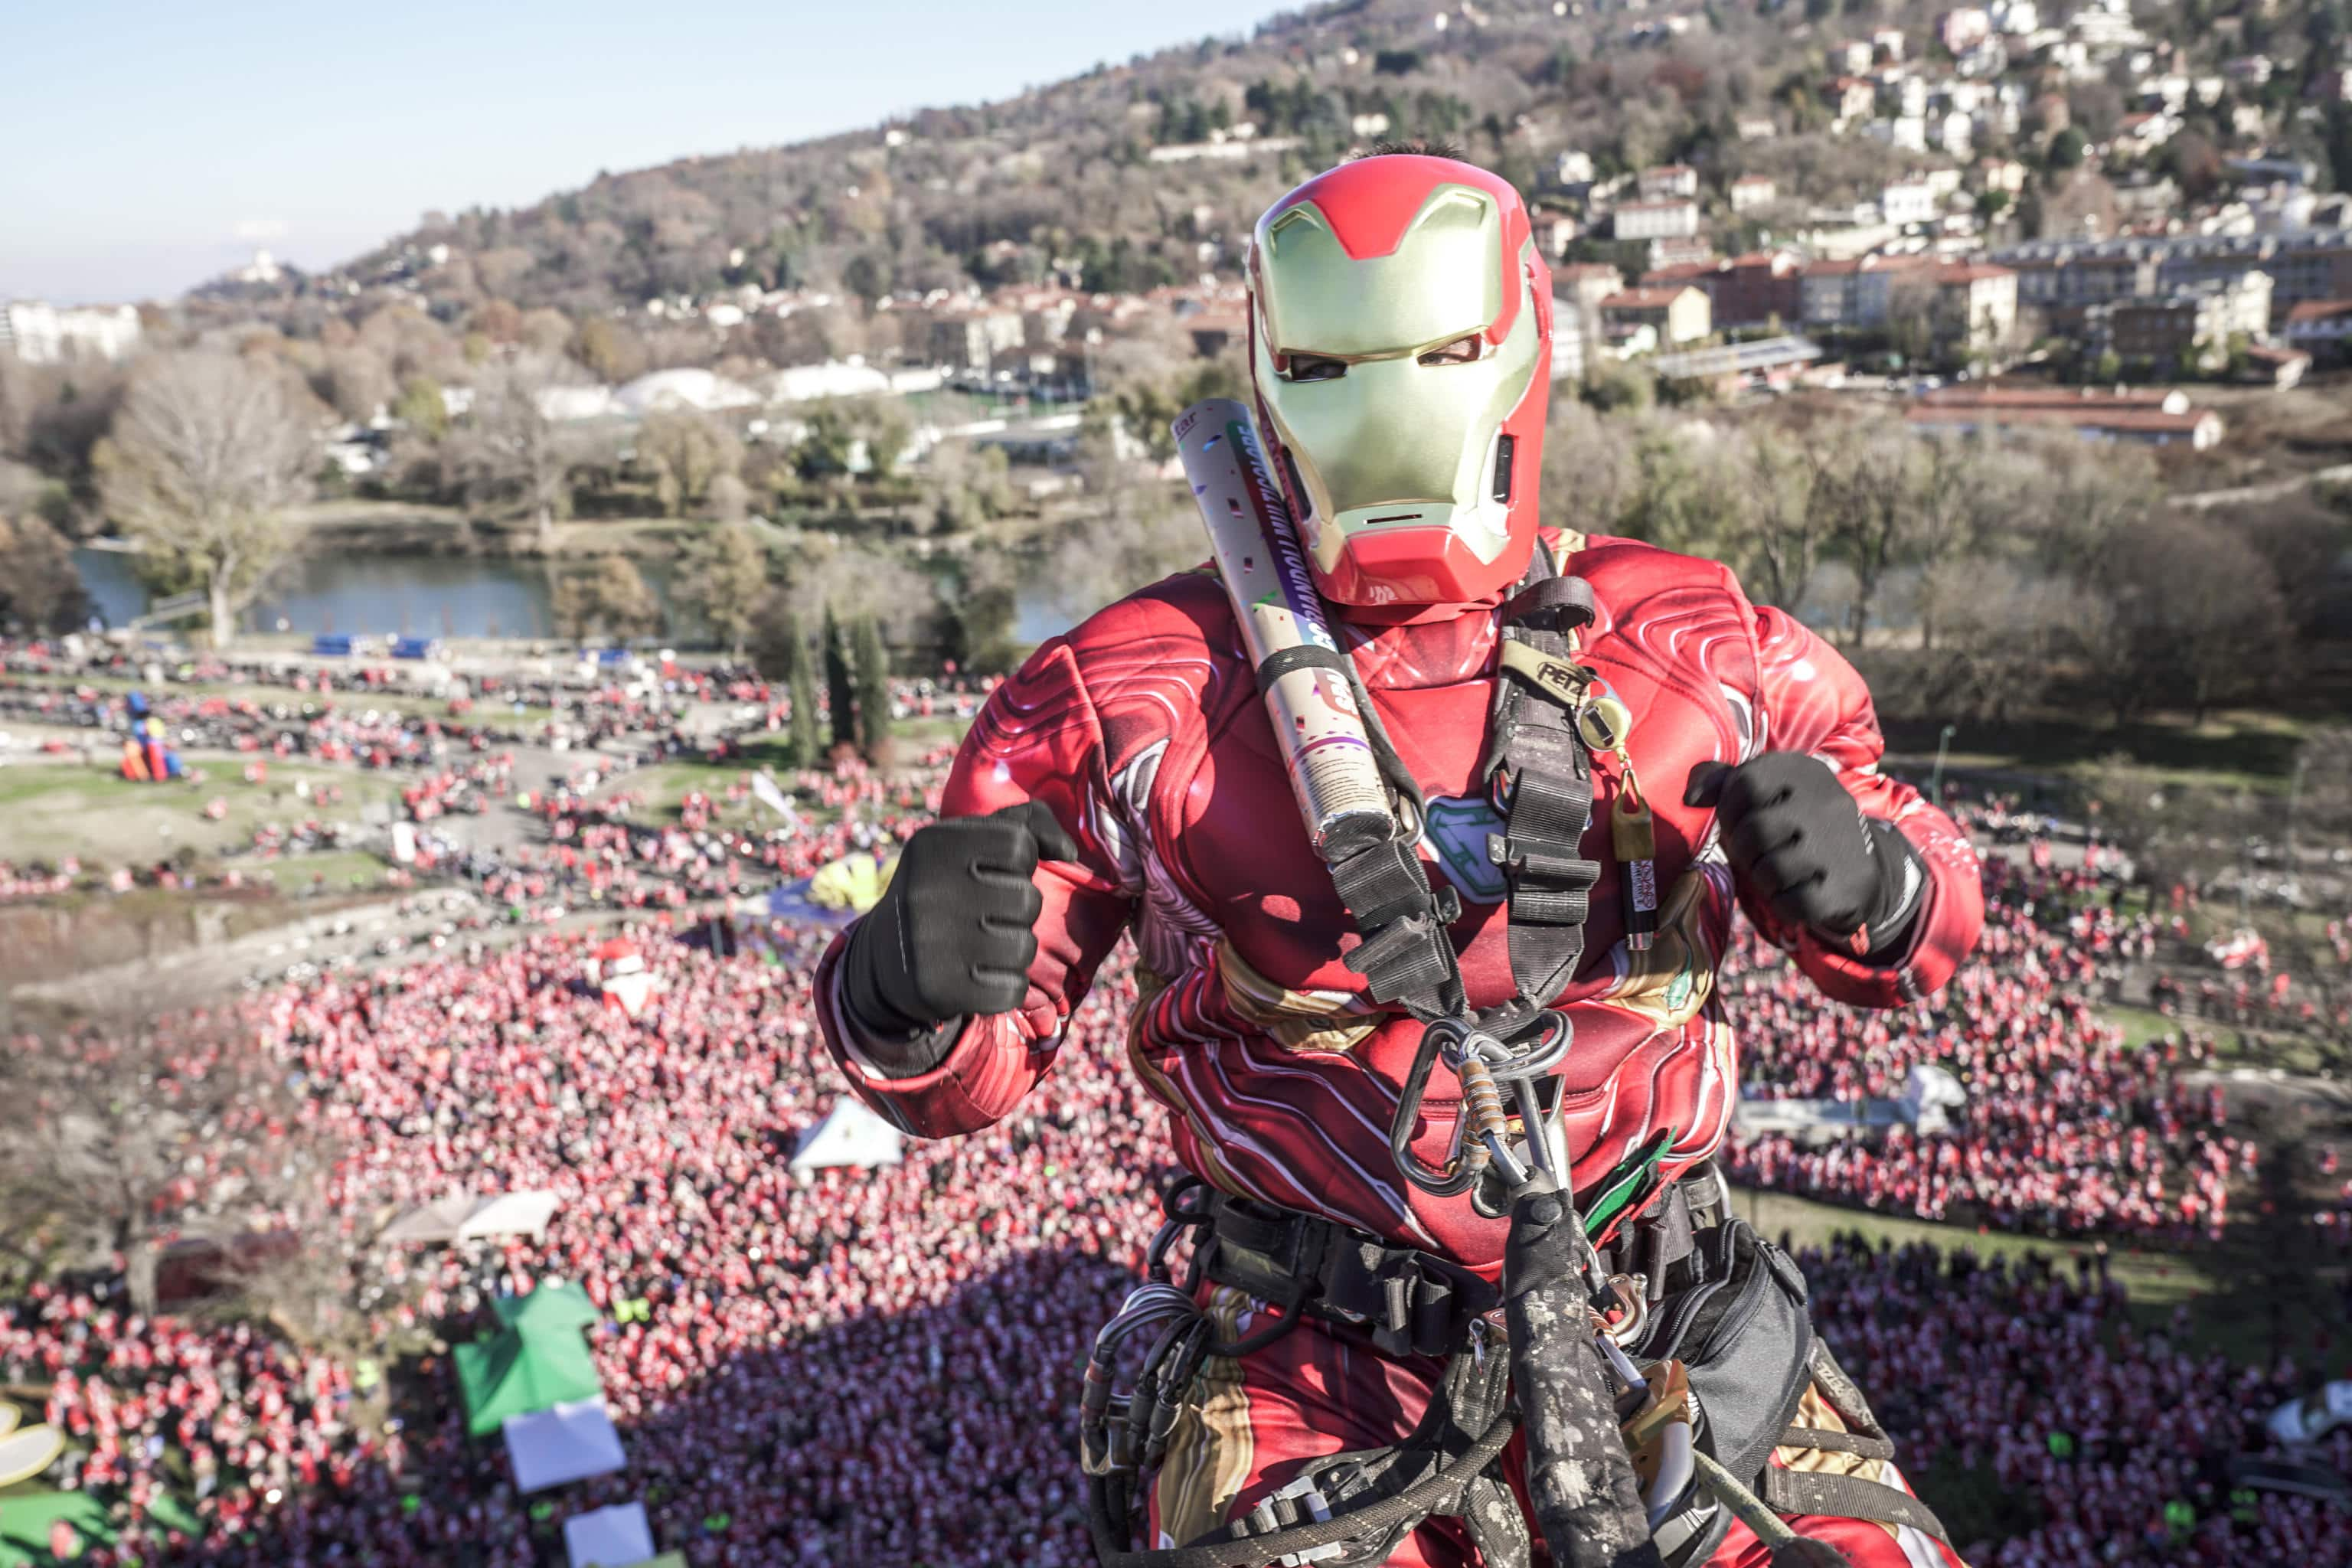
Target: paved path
x: 2271, y: 490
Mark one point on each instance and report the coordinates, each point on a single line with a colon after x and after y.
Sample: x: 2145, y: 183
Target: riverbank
x: 408, y: 528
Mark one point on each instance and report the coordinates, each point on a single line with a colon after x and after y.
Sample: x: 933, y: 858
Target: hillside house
x: 1676, y: 218
x: 1668, y: 180
x: 1750, y: 191
x: 1676, y: 313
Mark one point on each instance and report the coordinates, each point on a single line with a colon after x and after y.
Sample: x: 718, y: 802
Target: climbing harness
x: 1651, y: 1380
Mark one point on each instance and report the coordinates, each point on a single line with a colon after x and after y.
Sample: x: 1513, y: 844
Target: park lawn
x: 495, y: 714
x: 52, y: 809
x: 2226, y: 1288
x: 663, y: 785
x: 2140, y: 1025
x: 2227, y: 1291
x: 918, y: 735
x: 2250, y: 749
x: 345, y: 870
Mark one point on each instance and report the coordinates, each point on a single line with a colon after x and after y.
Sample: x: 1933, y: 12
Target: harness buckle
x: 1265, y: 1519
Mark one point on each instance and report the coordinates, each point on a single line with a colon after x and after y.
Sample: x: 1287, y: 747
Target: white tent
x: 1929, y: 1097
x: 849, y: 1136
x: 568, y: 1442
x: 1932, y: 1095
x: 464, y: 1216
x: 611, y: 1537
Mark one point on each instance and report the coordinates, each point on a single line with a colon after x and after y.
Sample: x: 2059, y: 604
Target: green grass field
x: 52, y: 809
x: 2254, y: 750
x: 2140, y: 1025
x: 500, y: 715
x: 2235, y: 1298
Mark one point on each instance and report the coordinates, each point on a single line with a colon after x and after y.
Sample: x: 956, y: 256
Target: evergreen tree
x: 804, y: 745
x: 836, y: 683
x: 873, y: 690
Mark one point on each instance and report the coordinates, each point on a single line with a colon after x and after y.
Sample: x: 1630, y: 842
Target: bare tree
x: 608, y: 597
x: 856, y: 581
x: 207, y: 453
x: 1860, y: 485
x: 113, y: 1122
x: 512, y: 449
x: 1953, y: 506
x: 40, y: 586
x: 1777, y: 522
x: 687, y: 453
x: 2196, y: 616
x: 725, y: 581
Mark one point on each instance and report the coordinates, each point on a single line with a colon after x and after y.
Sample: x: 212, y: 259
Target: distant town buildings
x: 2063, y: 276
x: 40, y: 334
x: 2191, y: 327
x: 2317, y: 325
x: 1755, y: 290
x: 1673, y: 180
x: 1673, y: 218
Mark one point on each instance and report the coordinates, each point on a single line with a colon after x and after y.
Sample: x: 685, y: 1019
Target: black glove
x: 950, y: 936
x: 1796, y: 838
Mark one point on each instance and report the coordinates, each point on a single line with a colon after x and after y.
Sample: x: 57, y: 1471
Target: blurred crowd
x: 881, y: 1367
x: 2065, y: 1128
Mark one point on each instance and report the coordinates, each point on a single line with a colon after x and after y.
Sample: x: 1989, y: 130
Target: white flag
x: 772, y: 796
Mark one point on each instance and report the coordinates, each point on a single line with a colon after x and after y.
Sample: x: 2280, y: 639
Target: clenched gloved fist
x: 1795, y: 837
x: 950, y: 936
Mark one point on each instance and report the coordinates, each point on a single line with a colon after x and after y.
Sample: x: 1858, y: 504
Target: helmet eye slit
x: 1468, y: 349
x: 1314, y: 367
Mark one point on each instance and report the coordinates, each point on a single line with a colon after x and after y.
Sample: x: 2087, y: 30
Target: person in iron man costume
x: 1125, y: 781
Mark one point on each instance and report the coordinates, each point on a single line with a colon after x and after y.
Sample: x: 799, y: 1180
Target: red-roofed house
x: 1759, y: 287
x: 1741, y: 290
x: 1972, y: 305
x: 1671, y: 180
x: 2281, y: 368
x: 1852, y: 97
x: 2095, y: 418
x: 1975, y: 306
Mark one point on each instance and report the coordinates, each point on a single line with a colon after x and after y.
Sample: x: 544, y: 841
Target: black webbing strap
x: 1407, y: 957
x: 1848, y: 1497
x: 1305, y: 655
x: 1547, y: 776
x: 1407, y: 1301
x: 1791, y: 1491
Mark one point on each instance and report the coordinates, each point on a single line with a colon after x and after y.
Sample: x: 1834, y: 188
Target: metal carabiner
x: 1486, y: 1064
x: 1454, y: 1177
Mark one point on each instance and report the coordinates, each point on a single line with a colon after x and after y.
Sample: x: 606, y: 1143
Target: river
x: 380, y: 594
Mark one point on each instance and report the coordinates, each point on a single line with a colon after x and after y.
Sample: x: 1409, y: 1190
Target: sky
x: 151, y: 146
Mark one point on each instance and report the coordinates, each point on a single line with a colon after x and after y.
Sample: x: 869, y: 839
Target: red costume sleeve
x: 1809, y: 699
x: 1038, y: 738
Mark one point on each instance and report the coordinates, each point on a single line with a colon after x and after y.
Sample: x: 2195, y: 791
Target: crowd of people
x: 2065, y: 1127
x: 881, y: 1366
x: 2111, y: 1443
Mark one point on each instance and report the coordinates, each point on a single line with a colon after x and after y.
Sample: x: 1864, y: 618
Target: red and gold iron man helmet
x: 1401, y: 349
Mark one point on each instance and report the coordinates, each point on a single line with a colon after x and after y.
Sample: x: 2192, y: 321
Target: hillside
x: 1090, y: 178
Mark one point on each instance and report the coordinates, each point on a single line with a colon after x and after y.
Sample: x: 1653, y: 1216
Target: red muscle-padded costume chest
x: 1144, y: 732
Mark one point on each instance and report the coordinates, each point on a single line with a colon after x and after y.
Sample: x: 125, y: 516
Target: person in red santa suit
x: 1126, y: 781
